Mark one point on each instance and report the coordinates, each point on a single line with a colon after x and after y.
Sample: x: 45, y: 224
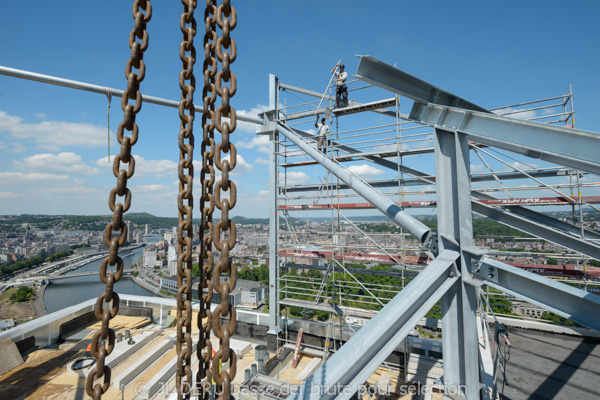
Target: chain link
x: 115, y: 234
x: 207, y: 179
x: 226, y: 52
x: 185, y: 202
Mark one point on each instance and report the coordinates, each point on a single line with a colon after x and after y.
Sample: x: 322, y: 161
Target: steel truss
x: 459, y: 269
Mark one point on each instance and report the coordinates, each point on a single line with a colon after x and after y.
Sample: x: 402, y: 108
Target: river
x: 67, y: 292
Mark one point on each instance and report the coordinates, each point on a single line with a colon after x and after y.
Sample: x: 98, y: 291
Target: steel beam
x: 352, y: 364
x: 564, y: 146
x: 382, y: 203
x: 455, y: 230
x: 380, y: 74
x: 342, y: 158
x: 541, y: 218
x: 415, y: 182
x: 561, y: 299
x: 542, y: 231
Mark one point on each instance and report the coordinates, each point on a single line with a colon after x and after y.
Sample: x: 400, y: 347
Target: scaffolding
x: 371, y: 139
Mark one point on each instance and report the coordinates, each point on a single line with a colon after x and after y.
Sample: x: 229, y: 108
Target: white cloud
x: 69, y: 190
x: 253, y: 112
x: 14, y: 178
x: 241, y: 166
x: 9, y: 195
x: 477, y: 168
x: 150, y: 188
x: 61, y: 163
x: 262, y: 161
x: 522, y: 166
x: 263, y: 193
x: 294, y: 178
x: 40, y: 115
x: 52, y: 135
x: 365, y: 170
x: 13, y: 147
x: 259, y: 141
x: 160, y: 168
x: 17, y: 148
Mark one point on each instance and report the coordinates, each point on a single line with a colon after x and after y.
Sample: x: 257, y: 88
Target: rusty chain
x: 226, y: 52
x: 207, y: 179
x: 185, y: 202
x: 99, y: 349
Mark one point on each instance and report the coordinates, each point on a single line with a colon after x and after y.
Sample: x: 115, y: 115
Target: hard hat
x: 342, y: 66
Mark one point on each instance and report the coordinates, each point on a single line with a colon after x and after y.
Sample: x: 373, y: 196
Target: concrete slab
x: 143, y: 362
x: 158, y: 381
x: 309, y: 369
x: 121, y: 352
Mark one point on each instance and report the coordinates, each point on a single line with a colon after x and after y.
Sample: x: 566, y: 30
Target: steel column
x: 455, y: 230
x: 341, y: 376
x: 273, y: 211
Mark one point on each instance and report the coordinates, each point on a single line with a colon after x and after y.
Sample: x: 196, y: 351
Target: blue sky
x: 54, y: 140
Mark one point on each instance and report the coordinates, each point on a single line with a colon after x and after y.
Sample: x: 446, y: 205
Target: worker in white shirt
x: 341, y: 91
x: 322, y: 132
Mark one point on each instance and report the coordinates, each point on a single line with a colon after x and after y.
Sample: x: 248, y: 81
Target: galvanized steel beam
x: 341, y: 376
x: 380, y: 74
x: 542, y: 231
x: 541, y: 218
x: 564, y: 146
x: 485, y: 177
x: 561, y: 299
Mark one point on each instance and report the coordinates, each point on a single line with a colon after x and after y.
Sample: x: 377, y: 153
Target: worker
x: 322, y: 133
x: 341, y: 91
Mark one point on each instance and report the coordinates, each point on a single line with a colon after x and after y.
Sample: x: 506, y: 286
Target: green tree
x: 307, y: 313
x: 22, y: 294
x: 322, y: 315
x: 558, y: 319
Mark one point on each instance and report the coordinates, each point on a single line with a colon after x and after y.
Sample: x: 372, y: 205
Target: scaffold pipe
x: 88, y: 87
x: 382, y: 203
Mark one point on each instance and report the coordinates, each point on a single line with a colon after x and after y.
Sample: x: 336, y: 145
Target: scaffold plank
x: 375, y: 105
